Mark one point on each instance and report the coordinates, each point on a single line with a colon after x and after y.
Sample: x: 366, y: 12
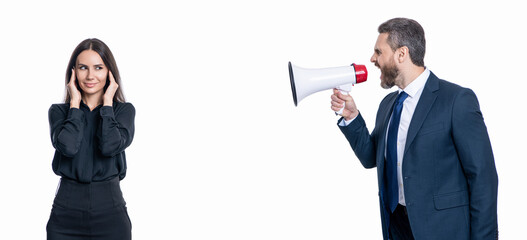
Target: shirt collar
x: 84, y: 105
x: 413, y: 88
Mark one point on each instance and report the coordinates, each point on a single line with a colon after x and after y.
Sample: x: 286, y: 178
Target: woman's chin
x: 91, y: 91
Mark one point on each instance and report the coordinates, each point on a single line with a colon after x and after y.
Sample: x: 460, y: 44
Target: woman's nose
x: 90, y: 74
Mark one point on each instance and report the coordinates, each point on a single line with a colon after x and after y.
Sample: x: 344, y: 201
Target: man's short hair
x: 409, y: 33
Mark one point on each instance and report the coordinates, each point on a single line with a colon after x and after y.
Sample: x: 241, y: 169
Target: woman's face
x: 91, y: 72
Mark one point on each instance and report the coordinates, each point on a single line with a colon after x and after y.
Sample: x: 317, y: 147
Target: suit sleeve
x: 67, y: 128
x: 475, y: 153
x: 116, y: 130
x: 360, y: 141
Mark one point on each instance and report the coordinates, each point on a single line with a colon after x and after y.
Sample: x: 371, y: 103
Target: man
x: 436, y: 173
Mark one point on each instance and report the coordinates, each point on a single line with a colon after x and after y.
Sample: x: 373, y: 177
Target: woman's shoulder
x: 59, y: 110
x: 60, y: 107
x: 123, y: 106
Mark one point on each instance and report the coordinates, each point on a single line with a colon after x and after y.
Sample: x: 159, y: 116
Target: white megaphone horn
x: 305, y: 82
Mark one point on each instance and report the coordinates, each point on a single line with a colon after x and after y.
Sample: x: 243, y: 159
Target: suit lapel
x: 424, y: 105
x: 386, y: 110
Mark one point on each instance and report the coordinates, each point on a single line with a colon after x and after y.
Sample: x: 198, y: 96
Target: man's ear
x: 402, y: 53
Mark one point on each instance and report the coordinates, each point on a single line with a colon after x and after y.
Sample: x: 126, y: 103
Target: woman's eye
x: 98, y: 68
x: 82, y: 67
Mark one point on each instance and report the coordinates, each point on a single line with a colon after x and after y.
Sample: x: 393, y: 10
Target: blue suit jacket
x: 450, y: 179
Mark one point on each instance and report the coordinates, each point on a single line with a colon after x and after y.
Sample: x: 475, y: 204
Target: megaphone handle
x: 339, y: 112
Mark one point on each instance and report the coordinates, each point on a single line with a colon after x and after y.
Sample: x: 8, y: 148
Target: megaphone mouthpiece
x: 361, y: 72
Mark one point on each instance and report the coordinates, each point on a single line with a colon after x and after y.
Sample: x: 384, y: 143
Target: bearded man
x: 436, y: 173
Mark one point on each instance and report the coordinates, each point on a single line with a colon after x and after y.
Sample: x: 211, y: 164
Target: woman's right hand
x: 75, y: 94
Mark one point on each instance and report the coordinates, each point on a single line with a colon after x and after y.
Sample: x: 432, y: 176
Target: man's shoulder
x: 451, y: 92
x: 445, y: 86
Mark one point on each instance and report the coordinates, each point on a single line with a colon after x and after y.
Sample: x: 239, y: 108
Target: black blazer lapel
x: 424, y: 105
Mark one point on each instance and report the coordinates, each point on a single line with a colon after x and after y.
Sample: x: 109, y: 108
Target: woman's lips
x: 90, y: 85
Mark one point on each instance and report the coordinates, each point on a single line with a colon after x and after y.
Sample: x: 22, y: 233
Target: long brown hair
x: 104, y: 51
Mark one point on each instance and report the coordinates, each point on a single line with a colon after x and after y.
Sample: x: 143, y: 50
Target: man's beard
x: 389, y: 76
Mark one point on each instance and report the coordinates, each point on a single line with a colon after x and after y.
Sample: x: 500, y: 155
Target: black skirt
x: 89, y: 211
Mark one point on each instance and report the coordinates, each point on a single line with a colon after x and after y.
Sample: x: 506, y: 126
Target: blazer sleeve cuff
x: 353, y: 126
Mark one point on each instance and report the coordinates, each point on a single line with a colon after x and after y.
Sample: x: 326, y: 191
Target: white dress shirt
x: 414, y: 91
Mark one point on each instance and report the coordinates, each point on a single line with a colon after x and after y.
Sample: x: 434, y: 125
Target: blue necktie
x: 391, y: 153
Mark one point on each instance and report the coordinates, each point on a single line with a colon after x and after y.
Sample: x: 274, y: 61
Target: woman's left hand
x: 110, y: 91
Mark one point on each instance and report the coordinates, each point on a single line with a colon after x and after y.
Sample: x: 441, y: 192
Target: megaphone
x: 305, y: 81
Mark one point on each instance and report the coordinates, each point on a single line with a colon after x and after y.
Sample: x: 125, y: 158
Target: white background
x: 220, y: 150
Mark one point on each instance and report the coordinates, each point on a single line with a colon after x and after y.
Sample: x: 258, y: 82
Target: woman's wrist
x: 75, y: 103
x: 108, y: 102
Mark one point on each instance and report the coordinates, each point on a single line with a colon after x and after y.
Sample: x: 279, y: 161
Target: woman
x: 90, y: 132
